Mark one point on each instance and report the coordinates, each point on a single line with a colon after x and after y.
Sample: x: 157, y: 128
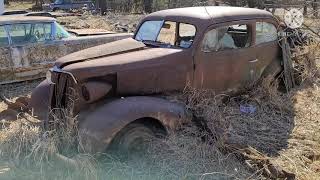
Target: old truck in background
x: 29, y: 45
x: 69, y: 5
x: 120, y: 86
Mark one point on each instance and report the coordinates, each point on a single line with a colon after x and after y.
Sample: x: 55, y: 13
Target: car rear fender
x: 273, y: 69
x: 99, y: 127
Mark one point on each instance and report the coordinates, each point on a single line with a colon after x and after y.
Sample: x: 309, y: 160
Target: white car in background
x: 29, y: 45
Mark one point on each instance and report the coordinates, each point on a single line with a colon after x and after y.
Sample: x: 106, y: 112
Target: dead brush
x: 231, y: 130
x: 17, y: 140
x: 48, y: 151
x: 307, y: 65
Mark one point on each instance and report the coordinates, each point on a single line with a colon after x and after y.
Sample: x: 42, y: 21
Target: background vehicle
x: 29, y: 45
x: 224, y: 49
x: 68, y: 5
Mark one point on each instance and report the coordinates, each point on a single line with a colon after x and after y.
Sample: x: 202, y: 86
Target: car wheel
x: 135, y: 140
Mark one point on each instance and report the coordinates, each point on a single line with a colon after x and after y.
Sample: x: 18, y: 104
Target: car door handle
x: 254, y: 61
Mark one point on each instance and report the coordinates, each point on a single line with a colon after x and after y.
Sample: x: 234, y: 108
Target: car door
x: 33, y: 49
x: 6, y: 71
x: 223, y: 59
x: 267, y: 45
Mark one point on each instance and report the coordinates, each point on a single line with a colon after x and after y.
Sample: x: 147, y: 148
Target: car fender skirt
x: 97, y: 128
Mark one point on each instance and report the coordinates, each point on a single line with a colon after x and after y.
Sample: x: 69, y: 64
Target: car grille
x: 61, y: 98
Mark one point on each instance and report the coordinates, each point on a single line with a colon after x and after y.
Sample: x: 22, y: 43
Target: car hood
x: 109, y: 49
x: 89, y: 32
x: 139, y: 70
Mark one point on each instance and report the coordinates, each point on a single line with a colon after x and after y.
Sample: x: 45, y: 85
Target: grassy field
x: 22, y: 5
x: 284, y: 128
x: 284, y: 131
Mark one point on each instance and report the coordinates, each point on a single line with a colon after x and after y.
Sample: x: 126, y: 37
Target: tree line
x: 148, y: 6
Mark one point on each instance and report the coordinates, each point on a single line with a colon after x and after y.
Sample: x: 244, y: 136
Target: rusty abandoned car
x: 118, y: 85
x: 29, y: 45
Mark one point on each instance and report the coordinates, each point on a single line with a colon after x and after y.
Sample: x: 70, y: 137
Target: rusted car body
x: 29, y: 45
x: 119, y: 83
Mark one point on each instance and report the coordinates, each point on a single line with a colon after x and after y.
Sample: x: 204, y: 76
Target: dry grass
x: 110, y: 22
x: 285, y: 127
x: 185, y: 157
x: 22, y: 5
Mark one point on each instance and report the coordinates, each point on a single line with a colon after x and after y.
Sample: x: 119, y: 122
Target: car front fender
x: 39, y: 102
x: 97, y: 128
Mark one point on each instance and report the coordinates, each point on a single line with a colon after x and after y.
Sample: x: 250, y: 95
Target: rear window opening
x: 227, y: 37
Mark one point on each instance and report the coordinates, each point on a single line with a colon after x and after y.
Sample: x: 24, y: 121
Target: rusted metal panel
x: 104, y: 50
x: 5, y: 64
x: 86, y: 32
x: 23, y: 19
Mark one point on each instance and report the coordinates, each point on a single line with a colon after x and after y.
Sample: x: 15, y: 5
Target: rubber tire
x: 134, y: 139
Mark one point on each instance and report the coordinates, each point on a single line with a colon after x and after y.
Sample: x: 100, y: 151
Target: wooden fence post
x: 315, y: 7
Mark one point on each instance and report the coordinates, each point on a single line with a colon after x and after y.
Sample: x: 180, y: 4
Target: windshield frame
x: 157, y: 34
x: 159, y: 31
x: 57, y: 27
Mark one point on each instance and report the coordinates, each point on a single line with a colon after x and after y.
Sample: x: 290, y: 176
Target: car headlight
x: 49, y: 77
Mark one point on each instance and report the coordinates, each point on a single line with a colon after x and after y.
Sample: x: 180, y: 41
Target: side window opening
x: 227, y: 37
x: 30, y: 33
x: 20, y: 33
x: 4, y: 41
x: 265, y: 32
x: 187, y: 33
x: 60, y: 33
x: 42, y: 32
x: 168, y: 33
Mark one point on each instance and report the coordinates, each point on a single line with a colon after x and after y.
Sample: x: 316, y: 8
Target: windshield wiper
x: 155, y: 43
x: 150, y: 42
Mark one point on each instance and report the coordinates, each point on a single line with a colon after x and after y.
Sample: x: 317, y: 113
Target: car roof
x: 14, y: 19
x: 210, y: 14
